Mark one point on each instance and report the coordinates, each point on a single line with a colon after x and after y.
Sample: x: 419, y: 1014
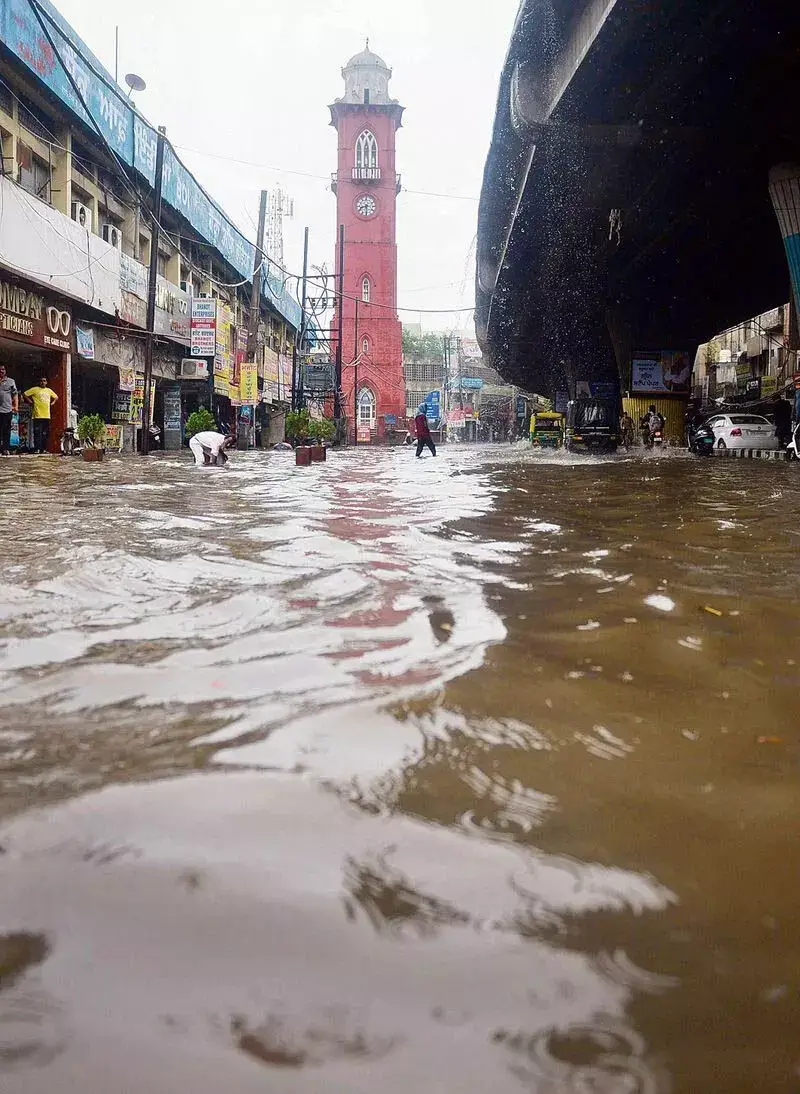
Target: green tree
x: 425, y: 345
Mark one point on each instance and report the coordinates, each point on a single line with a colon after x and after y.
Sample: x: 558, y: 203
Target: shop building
x: 76, y: 230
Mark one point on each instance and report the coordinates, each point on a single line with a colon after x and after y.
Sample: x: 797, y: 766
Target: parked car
x: 743, y: 431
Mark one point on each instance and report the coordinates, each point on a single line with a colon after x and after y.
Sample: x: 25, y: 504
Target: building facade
x: 76, y: 191
x: 366, y: 185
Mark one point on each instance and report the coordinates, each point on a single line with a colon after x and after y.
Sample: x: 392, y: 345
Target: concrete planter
x: 93, y: 455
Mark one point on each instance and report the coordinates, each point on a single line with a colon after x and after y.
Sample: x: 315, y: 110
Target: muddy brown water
x: 435, y: 776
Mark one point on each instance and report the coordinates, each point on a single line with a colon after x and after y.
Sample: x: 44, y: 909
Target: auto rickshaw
x: 547, y: 429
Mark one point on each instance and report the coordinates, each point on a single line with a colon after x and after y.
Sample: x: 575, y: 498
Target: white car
x: 743, y: 431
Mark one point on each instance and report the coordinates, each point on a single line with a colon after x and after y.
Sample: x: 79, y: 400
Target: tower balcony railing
x: 364, y: 174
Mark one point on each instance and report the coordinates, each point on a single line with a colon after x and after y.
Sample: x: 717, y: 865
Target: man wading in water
x: 422, y: 429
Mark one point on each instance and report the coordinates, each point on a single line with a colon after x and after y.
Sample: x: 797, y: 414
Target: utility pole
x: 337, y: 401
x: 255, y: 299
x: 152, y: 284
x: 297, y: 382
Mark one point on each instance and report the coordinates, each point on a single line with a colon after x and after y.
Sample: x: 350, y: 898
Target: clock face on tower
x: 366, y: 206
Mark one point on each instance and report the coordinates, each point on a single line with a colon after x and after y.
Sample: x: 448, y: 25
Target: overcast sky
x: 252, y: 81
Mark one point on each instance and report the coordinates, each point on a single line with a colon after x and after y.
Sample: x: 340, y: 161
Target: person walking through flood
x: 627, y: 430
x: 209, y: 448
x: 782, y: 416
x: 422, y: 429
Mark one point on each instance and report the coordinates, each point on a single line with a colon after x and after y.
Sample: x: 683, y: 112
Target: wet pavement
x: 466, y: 774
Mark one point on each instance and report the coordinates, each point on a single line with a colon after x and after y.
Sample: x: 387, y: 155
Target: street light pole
x: 152, y: 285
x: 243, y: 441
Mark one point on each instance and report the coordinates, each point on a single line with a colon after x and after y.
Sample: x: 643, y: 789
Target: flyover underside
x: 644, y: 216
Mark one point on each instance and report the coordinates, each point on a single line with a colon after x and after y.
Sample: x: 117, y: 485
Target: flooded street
x: 471, y: 774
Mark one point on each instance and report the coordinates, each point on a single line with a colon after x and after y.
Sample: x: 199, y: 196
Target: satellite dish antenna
x: 135, y: 83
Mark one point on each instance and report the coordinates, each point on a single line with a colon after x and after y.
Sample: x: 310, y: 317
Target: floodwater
x: 460, y: 775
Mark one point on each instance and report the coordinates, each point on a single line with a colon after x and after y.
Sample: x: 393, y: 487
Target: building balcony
x: 363, y: 174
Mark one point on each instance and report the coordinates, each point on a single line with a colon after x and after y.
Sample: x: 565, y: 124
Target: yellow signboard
x: 248, y: 382
x: 769, y: 385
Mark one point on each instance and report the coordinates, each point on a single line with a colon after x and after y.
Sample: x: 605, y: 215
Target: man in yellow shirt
x: 41, y: 398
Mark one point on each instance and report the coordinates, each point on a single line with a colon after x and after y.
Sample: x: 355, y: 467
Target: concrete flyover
x: 626, y: 197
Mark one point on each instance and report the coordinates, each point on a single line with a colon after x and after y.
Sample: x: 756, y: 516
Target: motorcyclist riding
x: 649, y: 424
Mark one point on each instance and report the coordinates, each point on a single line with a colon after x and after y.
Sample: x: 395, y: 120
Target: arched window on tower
x: 367, y: 154
x: 366, y: 407
x: 365, y: 347
x: 366, y: 290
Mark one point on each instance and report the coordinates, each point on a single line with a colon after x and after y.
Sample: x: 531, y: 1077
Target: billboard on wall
x: 661, y: 372
x: 203, y: 328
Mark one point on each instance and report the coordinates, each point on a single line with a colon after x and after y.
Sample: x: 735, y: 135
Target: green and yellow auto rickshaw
x: 547, y: 429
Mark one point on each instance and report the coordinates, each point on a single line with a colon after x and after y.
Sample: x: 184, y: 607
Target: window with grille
x: 366, y: 151
x: 366, y: 407
x: 366, y: 290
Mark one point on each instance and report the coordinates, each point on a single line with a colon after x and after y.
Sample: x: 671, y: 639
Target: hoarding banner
x: 661, y: 372
x: 769, y: 385
x: 137, y: 402
x: 203, y: 328
x: 248, y: 382
x: 224, y: 356
x: 84, y: 342
x: 127, y: 379
x: 113, y: 437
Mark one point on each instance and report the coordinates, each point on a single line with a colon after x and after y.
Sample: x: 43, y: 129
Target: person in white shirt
x: 209, y: 447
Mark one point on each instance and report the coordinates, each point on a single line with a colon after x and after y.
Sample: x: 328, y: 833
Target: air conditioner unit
x: 112, y: 235
x: 82, y: 215
x: 192, y: 369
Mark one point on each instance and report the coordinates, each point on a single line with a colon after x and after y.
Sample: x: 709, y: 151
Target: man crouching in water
x: 209, y: 448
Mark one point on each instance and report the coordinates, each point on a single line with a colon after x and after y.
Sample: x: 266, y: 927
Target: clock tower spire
x: 366, y: 185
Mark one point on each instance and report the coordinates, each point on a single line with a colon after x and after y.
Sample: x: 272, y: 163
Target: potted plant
x: 200, y: 421
x: 92, y: 432
x: 323, y: 429
x: 298, y: 426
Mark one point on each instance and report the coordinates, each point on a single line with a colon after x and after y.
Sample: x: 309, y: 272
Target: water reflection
x: 478, y: 773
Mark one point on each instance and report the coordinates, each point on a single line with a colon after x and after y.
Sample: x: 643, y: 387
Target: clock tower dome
x: 366, y: 185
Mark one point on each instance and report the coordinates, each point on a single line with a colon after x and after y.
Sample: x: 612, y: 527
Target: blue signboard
x: 521, y: 406
x: 433, y: 406
x: 128, y: 134
x: 466, y: 383
x: 602, y: 389
x: 560, y: 402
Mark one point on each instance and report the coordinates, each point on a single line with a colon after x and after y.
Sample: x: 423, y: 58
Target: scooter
x: 701, y: 440
x: 70, y: 445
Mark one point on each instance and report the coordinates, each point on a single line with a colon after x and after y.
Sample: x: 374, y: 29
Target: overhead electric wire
x: 42, y: 18
x: 312, y: 175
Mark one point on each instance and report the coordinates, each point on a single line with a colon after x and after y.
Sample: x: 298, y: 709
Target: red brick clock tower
x: 366, y: 187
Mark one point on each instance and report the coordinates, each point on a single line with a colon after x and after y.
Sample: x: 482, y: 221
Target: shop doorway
x: 26, y: 366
